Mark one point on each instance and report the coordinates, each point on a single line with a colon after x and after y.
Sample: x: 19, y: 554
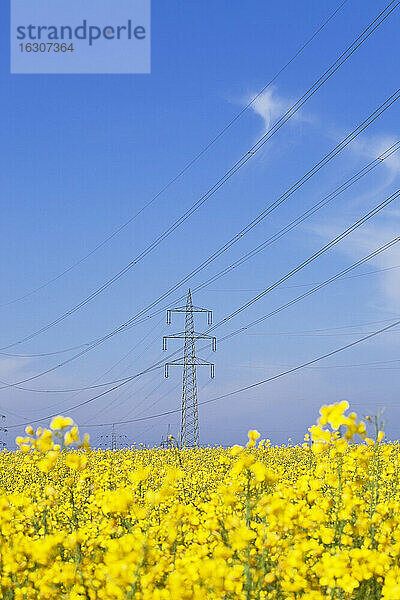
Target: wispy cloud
x: 372, y: 146
x: 361, y: 243
x: 12, y: 367
x: 379, y: 231
x: 270, y: 106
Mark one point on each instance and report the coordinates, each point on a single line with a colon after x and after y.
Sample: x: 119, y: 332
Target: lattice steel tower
x: 117, y: 440
x: 3, y: 430
x: 189, y: 433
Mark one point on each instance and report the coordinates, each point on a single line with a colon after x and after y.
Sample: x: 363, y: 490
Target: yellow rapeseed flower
x: 61, y: 422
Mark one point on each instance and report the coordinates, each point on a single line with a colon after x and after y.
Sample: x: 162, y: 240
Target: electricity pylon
x: 116, y: 440
x: 167, y: 443
x: 3, y: 430
x: 189, y: 433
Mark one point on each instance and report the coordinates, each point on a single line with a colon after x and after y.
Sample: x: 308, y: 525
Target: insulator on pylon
x: 168, y: 317
x: 164, y: 343
x: 214, y: 344
x: 212, y: 371
x: 210, y: 317
x: 166, y: 371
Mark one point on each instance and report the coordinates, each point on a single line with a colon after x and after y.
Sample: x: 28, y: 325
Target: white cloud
x: 379, y: 230
x: 371, y: 147
x: 270, y: 107
x: 12, y: 367
x: 364, y: 241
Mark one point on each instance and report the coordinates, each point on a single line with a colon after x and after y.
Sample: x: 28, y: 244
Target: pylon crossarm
x: 195, y: 336
x: 205, y: 363
x: 184, y: 308
x: 198, y: 362
x: 195, y: 309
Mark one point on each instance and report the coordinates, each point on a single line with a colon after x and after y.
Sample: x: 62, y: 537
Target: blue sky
x: 81, y: 154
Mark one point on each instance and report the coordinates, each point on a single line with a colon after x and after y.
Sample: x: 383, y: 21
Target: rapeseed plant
x: 314, y: 521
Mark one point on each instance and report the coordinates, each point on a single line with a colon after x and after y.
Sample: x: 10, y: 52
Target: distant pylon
x: 3, y: 431
x: 189, y: 433
x: 117, y: 441
x: 167, y: 442
x: 113, y: 438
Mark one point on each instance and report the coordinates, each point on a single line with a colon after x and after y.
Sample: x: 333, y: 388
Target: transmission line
x: 186, y: 167
x: 291, y: 273
x: 312, y: 291
x: 340, y: 189
x: 391, y: 99
x: 299, y: 285
x: 313, y: 257
x: 369, y: 167
x: 348, y: 366
x: 95, y: 385
x: 276, y: 236
x: 356, y: 177
x: 382, y: 16
x: 253, y: 385
x: 158, y: 364
x: 372, y: 117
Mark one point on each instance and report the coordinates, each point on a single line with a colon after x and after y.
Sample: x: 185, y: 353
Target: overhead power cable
x: 114, y: 332
x: 366, y: 33
x: 187, y: 166
x: 311, y: 291
x: 95, y: 384
x: 371, y: 364
x: 159, y: 364
x: 276, y: 236
x: 309, y: 284
x: 253, y: 385
x: 140, y: 315
x: 346, y: 185
x: 291, y: 273
x: 311, y: 259
x: 320, y: 204
x: 341, y: 275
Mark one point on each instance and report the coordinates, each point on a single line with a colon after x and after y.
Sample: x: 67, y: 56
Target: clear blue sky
x: 81, y: 154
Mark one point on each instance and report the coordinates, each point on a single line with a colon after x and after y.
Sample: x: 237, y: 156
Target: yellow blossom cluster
x: 314, y: 521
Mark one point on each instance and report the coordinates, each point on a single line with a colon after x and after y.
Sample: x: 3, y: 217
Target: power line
x: 294, y: 271
x: 256, y: 384
x: 114, y: 404
x: 391, y: 100
x: 370, y: 119
x: 382, y: 16
x: 379, y: 160
x: 297, y: 334
x: 333, y: 153
x: 338, y: 328
x: 80, y: 404
x: 295, y: 222
x: 313, y: 290
x: 298, y: 285
x: 313, y: 257
x: 43, y: 354
x: 372, y: 365
x: 95, y: 385
x: 159, y: 363
x: 186, y: 167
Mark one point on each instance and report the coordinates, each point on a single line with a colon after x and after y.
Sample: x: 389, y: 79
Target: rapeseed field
x: 315, y: 521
